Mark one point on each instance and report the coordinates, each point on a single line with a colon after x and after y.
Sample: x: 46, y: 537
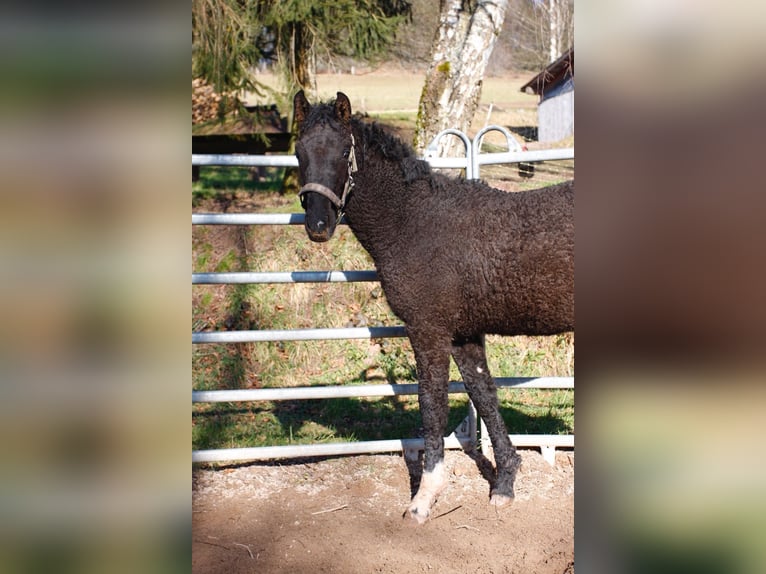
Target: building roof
x: 553, y: 74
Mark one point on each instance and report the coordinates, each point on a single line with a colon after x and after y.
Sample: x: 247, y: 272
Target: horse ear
x: 342, y: 108
x: 302, y: 107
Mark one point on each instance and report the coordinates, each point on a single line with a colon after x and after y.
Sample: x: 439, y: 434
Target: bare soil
x: 344, y: 515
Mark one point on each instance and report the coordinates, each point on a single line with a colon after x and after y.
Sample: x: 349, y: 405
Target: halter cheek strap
x: 325, y: 191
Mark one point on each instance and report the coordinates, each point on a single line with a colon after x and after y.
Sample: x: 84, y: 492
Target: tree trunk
x: 301, y: 71
x: 305, y: 69
x: 303, y: 61
x: 555, y: 30
x: 460, y: 52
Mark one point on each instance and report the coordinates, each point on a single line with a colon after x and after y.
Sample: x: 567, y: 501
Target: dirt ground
x: 344, y: 515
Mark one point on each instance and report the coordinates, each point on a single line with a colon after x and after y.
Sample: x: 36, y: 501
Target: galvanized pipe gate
x: 466, y: 433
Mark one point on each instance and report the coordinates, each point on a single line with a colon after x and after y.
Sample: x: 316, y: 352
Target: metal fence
x: 466, y: 434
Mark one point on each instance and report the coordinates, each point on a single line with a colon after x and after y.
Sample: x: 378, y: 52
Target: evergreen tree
x: 229, y: 37
x: 223, y: 46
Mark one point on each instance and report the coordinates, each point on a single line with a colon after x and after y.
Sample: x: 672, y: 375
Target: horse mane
x: 375, y: 138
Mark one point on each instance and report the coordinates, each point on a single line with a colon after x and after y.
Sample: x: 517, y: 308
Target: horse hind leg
x: 471, y: 360
x: 433, y: 375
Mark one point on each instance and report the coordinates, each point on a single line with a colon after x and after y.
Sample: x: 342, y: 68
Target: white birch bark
x: 460, y: 51
x: 554, y: 13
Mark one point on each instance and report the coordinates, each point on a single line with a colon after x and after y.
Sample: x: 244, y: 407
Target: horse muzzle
x: 319, y: 231
x: 320, y: 221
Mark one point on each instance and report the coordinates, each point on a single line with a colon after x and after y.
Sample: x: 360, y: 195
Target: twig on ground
x: 448, y: 512
x: 341, y: 507
x: 467, y: 527
x: 212, y: 544
x: 246, y: 547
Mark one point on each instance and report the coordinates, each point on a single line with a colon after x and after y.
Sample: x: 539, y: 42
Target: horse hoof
x: 500, y: 500
x: 415, y: 518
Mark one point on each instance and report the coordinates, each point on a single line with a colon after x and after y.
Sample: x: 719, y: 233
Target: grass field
x: 269, y: 248
x: 389, y: 91
x: 392, y: 95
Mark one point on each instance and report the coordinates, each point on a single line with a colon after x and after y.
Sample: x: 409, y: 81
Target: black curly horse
x: 456, y: 260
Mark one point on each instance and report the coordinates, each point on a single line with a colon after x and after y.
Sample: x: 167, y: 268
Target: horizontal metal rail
x: 525, y: 156
x: 449, y: 163
x: 248, y: 218
x: 345, y: 391
x: 240, y: 278
x: 252, y: 219
x: 470, y: 162
x: 280, y: 160
x: 264, y: 336
x: 437, y: 162
x: 365, y: 447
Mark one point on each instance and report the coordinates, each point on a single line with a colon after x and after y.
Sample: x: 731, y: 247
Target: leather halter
x: 325, y: 191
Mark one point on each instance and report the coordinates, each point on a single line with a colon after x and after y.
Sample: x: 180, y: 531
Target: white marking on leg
x: 431, y: 484
x: 500, y: 500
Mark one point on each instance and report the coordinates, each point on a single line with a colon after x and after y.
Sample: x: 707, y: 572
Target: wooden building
x: 555, y: 86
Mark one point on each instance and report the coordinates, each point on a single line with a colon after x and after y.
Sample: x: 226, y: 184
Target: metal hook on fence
x: 472, y: 148
x: 511, y: 142
x: 431, y: 154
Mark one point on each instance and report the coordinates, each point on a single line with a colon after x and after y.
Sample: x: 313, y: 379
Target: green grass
x: 224, y: 182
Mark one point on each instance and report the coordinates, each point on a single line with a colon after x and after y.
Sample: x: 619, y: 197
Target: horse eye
x: 346, y: 152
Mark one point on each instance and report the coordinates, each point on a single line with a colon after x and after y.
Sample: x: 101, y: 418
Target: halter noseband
x: 325, y: 191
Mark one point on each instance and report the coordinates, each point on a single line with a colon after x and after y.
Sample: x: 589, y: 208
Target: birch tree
x: 560, y: 27
x: 540, y: 31
x: 460, y: 51
x: 554, y: 20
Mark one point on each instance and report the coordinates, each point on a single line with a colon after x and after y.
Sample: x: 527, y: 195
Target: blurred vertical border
x: 670, y: 283
x: 94, y: 296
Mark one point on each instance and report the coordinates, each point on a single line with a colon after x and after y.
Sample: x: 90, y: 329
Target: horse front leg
x: 471, y: 360
x: 433, y: 374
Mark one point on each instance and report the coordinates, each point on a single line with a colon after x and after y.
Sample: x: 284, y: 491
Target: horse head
x: 326, y: 162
